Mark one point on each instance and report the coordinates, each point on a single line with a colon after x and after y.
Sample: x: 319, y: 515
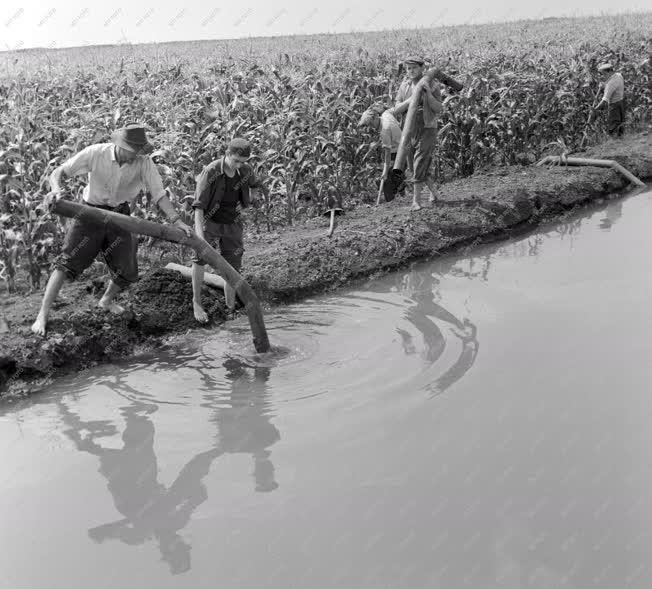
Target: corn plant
x: 527, y: 85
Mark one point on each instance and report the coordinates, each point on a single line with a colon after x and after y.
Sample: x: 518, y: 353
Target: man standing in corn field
x: 117, y: 172
x: 222, y: 185
x: 613, y: 98
x: 379, y: 118
x: 424, y: 135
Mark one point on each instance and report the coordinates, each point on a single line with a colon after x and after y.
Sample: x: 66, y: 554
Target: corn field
x: 298, y: 100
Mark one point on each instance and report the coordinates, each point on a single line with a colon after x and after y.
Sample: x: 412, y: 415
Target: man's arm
x: 256, y: 187
x: 203, y: 189
x: 55, y: 179
x: 154, y: 185
x: 609, y: 89
x: 199, y: 222
x: 165, y: 205
x: 434, y: 102
x: 79, y: 163
x: 402, y: 103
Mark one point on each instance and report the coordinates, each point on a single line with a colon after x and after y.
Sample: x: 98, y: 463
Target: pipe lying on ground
x: 67, y: 208
x: 210, y: 279
x: 580, y: 161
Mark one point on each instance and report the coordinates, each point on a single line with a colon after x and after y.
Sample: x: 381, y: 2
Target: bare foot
x: 111, y: 306
x: 415, y: 206
x: 199, y: 312
x: 229, y: 298
x: 38, y: 327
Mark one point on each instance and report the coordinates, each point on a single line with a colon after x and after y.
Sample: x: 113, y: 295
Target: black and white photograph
x: 306, y: 295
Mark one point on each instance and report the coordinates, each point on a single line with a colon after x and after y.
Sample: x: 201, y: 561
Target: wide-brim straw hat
x: 132, y: 138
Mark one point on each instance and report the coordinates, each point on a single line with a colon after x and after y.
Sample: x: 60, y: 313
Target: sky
x: 54, y: 23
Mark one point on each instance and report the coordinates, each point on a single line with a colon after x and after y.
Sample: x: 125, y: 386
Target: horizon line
x: 326, y: 33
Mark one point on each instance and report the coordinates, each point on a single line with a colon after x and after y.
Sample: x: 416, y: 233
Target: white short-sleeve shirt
x: 614, y: 88
x: 110, y: 183
x: 390, y: 130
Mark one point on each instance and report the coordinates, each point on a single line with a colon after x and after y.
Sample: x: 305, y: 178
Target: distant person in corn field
x: 379, y: 118
x: 424, y: 135
x: 222, y: 187
x: 613, y: 98
x: 117, y: 172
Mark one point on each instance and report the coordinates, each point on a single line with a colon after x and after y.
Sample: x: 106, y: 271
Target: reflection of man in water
x: 152, y: 510
x: 420, y: 287
x: 245, y: 427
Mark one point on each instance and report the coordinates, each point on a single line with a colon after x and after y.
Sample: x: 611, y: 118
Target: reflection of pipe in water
x: 244, y: 427
x: 421, y: 289
x: 150, y: 509
x: 611, y: 215
x: 464, y: 362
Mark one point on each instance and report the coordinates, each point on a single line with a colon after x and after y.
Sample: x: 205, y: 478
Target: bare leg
x: 197, y: 279
x: 229, y: 295
x: 416, y: 200
x: 106, y: 302
x: 434, y: 193
x: 52, y: 289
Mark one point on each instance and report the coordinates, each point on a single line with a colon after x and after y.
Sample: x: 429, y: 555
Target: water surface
x: 477, y: 421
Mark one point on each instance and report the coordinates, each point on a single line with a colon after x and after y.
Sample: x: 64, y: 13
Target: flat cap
x: 239, y: 146
x: 415, y: 59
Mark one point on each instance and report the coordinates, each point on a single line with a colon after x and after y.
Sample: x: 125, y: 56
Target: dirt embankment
x: 299, y: 261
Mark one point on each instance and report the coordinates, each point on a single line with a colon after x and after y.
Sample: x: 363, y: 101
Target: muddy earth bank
x: 287, y: 265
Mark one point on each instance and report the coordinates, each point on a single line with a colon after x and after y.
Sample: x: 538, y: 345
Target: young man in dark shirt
x: 222, y: 185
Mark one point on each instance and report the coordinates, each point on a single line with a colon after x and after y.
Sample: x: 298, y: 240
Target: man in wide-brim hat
x: 613, y: 98
x: 117, y: 173
x: 132, y: 138
x: 424, y: 134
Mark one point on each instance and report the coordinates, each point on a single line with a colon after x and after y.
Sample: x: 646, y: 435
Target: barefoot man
x: 424, y: 136
x: 223, y: 185
x: 117, y: 172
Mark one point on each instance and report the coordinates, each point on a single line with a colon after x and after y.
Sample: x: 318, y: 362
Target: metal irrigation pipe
x: 580, y: 161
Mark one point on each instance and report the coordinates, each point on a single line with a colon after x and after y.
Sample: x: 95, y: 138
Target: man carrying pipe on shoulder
x: 424, y: 136
x: 222, y: 185
x: 117, y: 172
x: 613, y: 98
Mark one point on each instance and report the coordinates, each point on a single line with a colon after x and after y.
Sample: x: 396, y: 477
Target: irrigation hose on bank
x: 580, y: 161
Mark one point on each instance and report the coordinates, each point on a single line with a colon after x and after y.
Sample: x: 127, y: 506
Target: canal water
x: 477, y: 421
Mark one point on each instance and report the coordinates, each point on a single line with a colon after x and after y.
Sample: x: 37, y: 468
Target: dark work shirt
x: 212, y: 182
x: 227, y: 213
